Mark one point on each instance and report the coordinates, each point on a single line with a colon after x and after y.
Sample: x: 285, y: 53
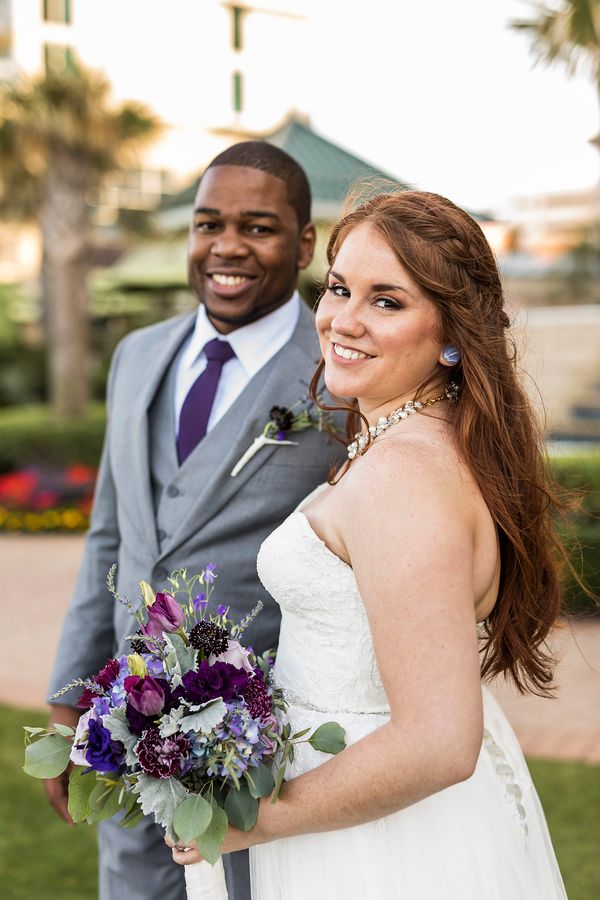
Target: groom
x: 186, y: 398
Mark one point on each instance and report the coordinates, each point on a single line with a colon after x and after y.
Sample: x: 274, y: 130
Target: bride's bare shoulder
x: 402, y: 465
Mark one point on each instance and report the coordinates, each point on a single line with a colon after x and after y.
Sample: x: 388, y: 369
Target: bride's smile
x: 380, y: 334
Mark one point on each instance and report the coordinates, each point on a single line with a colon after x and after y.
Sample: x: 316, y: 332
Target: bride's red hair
x: 496, y: 431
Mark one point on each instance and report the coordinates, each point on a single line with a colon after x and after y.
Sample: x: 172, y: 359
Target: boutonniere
x: 283, y: 421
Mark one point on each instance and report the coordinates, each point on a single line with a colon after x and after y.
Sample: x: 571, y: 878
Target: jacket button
x: 160, y: 573
x: 173, y: 491
x: 161, y: 535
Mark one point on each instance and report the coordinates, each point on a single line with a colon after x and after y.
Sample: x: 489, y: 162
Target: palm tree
x: 59, y: 135
x: 568, y: 33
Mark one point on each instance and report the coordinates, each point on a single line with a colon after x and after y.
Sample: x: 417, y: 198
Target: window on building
x: 237, y: 37
x: 58, y: 58
x: 57, y: 11
x: 238, y: 92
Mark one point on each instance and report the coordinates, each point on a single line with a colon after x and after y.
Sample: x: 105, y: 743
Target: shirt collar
x: 253, y: 344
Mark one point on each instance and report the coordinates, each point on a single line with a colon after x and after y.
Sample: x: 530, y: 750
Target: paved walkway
x: 38, y: 574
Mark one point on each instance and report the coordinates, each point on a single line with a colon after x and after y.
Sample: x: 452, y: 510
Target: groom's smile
x: 245, y: 245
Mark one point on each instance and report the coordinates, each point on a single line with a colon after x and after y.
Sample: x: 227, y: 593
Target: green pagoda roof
x: 330, y: 170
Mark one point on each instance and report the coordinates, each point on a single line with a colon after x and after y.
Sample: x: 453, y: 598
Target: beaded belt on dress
x: 292, y: 698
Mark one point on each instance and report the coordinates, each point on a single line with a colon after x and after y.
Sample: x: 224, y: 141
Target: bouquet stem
x: 206, y: 882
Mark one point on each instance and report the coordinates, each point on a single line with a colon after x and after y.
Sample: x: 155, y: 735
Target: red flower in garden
x: 17, y: 488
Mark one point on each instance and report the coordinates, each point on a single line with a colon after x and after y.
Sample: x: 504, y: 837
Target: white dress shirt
x: 254, y: 345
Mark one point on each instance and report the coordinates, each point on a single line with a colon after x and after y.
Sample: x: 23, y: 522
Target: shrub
x: 33, y: 436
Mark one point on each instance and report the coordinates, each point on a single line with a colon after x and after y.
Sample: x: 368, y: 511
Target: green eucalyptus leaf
x: 81, y: 785
x: 65, y: 730
x: 192, y: 818
x: 241, y: 808
x: 32, y: 731
x: 211, y: 841
x: 300, y: 734
x: 132, y: 818
x: 104, y: 801
x: 328, y: 738
x: 279, y: 776
x: 47, y: 757
x: 260, y: 781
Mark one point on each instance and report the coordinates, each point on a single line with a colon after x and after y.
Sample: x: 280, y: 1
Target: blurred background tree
x: 566, y: 33
x: 59, y: 136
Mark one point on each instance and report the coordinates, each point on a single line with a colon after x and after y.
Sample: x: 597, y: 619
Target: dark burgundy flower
x: 162, y: 757
x: 282, y: 417
x: 103, y: 753
x: 257, y: 698
x: 138, y: 722
x: 208, y: 682
x: 105, y: 679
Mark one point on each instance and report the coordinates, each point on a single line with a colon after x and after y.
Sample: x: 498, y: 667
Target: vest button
x: 160, y: 573
x: 161, y: 535
x: 173, y: 491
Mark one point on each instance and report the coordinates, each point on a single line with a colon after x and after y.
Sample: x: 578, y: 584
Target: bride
x: 426, y: 563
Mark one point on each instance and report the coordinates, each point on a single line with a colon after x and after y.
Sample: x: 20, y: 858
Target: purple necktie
x: 196, y: 408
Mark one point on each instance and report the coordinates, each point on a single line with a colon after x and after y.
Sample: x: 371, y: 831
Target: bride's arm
x: 409, y: 531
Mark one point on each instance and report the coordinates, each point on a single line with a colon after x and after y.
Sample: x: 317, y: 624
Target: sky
x: 444, y: 95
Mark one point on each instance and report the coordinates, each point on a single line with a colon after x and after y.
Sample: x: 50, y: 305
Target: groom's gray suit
x: 152, y: 515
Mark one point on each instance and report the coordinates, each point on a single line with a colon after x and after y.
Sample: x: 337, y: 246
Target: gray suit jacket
x: 215, y: 518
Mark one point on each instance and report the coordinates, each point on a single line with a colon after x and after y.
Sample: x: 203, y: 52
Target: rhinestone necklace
x: 365, y: 438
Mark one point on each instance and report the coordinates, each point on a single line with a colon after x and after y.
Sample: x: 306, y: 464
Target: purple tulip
x: 165, y: 614
x: 147, y: 695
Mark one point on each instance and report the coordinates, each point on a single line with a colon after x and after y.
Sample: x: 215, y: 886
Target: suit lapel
x: 154, y: 368
x: 281, y: 382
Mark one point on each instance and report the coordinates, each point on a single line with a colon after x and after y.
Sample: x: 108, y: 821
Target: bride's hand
x: 188, y: 854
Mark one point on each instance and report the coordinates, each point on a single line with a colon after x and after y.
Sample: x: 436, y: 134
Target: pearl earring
x: 451, y: 355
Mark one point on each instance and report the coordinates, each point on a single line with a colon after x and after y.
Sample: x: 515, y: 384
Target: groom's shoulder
x: 305, y: 335
x: 153, y: 336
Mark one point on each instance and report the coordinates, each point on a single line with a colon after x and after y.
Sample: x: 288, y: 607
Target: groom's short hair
x: 267, y: 158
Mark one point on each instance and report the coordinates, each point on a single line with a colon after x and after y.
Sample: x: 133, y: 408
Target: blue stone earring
x: 451, y: 355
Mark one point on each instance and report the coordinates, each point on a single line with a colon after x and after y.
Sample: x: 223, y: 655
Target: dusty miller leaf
x: 181, y: 658
x: 160, y: 797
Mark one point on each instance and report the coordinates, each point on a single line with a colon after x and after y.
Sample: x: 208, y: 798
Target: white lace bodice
x: 325, y: 658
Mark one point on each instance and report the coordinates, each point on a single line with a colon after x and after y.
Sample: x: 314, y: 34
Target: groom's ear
x: 306, y: 245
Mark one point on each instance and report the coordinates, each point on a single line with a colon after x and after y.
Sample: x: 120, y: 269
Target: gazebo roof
x: 330, y: 170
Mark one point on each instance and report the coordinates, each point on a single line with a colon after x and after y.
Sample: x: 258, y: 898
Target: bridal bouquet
x: 183, y: 728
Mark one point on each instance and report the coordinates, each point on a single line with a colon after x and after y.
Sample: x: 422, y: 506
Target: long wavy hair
x: 495, y: 429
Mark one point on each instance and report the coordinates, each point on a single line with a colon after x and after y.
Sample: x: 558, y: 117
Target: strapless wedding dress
x: 483, y: 839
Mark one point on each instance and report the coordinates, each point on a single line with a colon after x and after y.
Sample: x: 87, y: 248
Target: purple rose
x: 102, y: 752
x: 165, y: 614
x: 147, y: 695
x: 210, y: 681
x: 162, y: 757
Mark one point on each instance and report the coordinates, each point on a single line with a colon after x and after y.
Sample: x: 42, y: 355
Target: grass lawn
x: 42, y: 859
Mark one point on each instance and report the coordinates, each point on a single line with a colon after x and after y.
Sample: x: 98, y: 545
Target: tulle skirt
x: 483, y: 839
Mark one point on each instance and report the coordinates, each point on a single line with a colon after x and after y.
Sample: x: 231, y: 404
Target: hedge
x: 32, y: 435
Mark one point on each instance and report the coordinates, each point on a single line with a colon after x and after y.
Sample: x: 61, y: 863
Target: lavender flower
x: 209, y: 573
